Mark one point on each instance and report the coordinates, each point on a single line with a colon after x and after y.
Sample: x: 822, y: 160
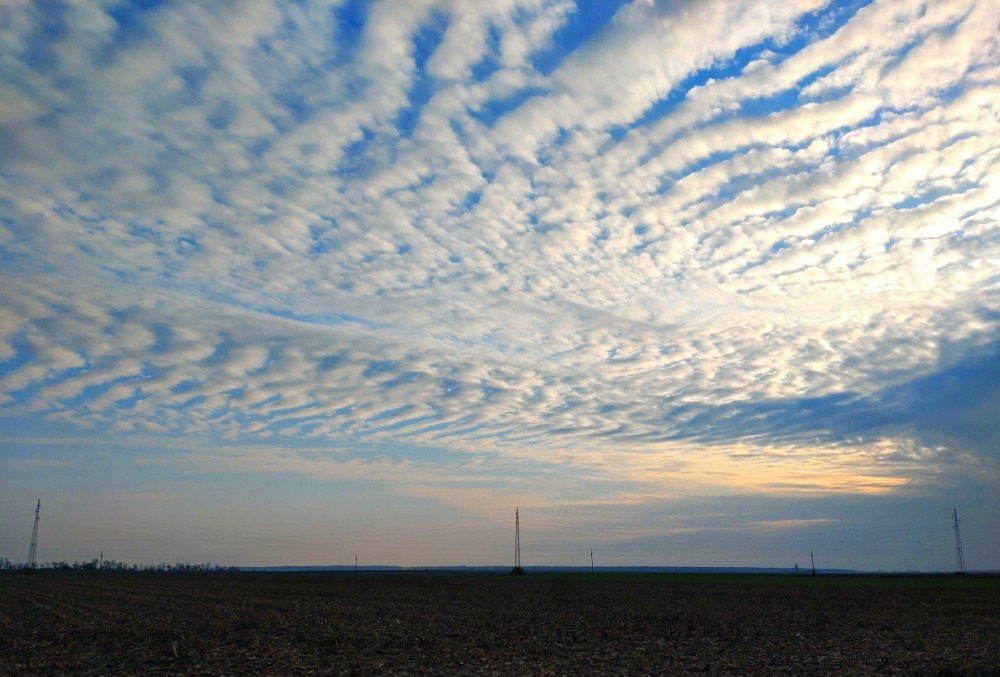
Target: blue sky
x: 691, y: 283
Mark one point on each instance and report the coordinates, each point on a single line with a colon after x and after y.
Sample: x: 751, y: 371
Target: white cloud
x: 224, y: 232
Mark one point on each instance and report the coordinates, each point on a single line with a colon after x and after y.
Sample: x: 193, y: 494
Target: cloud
x: 792, y: 524
x: 707, y: 229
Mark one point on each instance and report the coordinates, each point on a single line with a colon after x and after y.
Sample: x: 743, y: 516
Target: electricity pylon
x: 517, y: 543
x: 959, y: 555
x: 33, y: 549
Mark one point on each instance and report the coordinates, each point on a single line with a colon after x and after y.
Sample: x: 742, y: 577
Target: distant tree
x: 116, y: 565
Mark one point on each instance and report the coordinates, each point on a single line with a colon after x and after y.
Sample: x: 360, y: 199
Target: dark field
x: 405, y: 623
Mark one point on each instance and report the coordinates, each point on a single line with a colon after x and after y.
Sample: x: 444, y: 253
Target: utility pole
x: 355, y: 564
x: 517, y: 543
x: 813, y: 563
x: 959, y: 555
x: 33, y: 549
x: 591, y: 560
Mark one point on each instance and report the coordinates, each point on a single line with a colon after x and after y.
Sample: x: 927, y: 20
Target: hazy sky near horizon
x: 708, y: 283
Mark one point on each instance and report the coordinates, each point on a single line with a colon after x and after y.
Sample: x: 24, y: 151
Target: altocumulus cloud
x: 642, y: 241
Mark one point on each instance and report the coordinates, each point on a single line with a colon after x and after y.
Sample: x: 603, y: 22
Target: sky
x: 703, y: 283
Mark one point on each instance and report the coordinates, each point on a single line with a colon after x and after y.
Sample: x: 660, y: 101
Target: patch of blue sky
x: 416, y: 429
x: 455, y: 430
x: 190, y: 402
x: 402, y: 379
x: 130, y: 15
x: 558, y: 141
x: 289, y: 412
x: 23, y: 354
x: 490, y: 63
x: 379, y: 367
x: 932, y: 193
x: 815, y: 26
x: 29, y: 391
x: 330, y: 362
x: 406, y: 422
x: 901, y: 55
x: 450, y: 388
x: 808, y: 26
x: 221, y: 352
x: 590, y: 17
x: 470, y: 200
x: 350, y: 18
x: 185, y: 386
x: 259, y: 147
x: 491, y: 111
x: 91, y: 391
x: 721, y: 70
x: 161, y: 337
x: 186, y: 245
x: 640, y: 248
x: 831, y: 418
x: 668, y: 103
x: 357, y: 160
x: 70, y: 212
x: 235, y: 393
x: 273, y: 399
x: 389, y: 413
x: 222, y: 115
x: 949, y: 93
x: 295, y: 104
x: 426, y: 40
x: 143, y: 231
x: 51, y: 26
x: 856, y: 218
x: 670, y: 178
x: 194, y: 76
x: 321, y: 241
x: 129, y: 402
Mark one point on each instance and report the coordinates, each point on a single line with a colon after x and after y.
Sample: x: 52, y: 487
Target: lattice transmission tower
x: 33, y: 549
x: 518, y: 569
x: 959, y: 555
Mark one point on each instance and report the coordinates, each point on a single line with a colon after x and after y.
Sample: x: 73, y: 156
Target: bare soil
x: 441, y: 623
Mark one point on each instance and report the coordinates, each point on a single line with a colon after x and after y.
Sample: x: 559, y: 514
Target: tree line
x: 114, y: 565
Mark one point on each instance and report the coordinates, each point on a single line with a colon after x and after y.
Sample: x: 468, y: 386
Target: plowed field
x: 437, y: 623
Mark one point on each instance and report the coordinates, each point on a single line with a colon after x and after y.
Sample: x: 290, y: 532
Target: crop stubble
x: 406, y: 623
